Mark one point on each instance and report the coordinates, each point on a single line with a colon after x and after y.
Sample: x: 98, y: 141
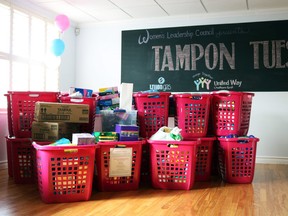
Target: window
x: 26, y: 62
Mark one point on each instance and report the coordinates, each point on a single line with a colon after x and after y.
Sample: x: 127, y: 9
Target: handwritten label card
x: 120, y: 162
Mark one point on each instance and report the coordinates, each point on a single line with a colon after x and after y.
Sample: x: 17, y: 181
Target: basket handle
x: 120, y: 146
x: 69, y: 151
x: 153, y: 95
x: 223, y: 93
x: 244, y: 140
x: 172, y: 145
x: 196, y: 97
x: 34, y: 95
x: 76, y: 100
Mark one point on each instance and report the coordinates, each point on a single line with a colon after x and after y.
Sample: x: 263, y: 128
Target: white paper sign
x: 126, y: 96
x: 120, y: 162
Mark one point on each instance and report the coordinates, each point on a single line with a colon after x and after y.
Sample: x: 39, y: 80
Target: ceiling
x: 87, y: 11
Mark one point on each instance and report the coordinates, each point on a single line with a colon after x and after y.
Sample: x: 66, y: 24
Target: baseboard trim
x: 3, y: 165
x: 259, y: 159
x: 271, y: 160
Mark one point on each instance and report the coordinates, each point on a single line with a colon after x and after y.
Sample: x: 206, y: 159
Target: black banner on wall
x: 236, y: 57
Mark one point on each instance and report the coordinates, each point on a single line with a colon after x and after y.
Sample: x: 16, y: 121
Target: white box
x: 83, y: 139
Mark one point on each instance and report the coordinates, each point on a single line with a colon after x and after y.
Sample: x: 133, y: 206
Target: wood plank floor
x: 266, y: 195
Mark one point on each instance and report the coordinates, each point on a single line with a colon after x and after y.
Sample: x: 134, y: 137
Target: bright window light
x: 26, y: 61
x: 20, y: 34
x: 5, y: 28
x: 20, y: 70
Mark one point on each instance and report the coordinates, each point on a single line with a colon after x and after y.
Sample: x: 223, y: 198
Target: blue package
x: 84, y: 92
x: 127, y: 132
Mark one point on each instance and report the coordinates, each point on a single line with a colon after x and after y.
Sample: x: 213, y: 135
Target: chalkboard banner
x: 235, y: 57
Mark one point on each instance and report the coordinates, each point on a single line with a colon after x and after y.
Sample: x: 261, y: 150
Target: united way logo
x: 202, y: 81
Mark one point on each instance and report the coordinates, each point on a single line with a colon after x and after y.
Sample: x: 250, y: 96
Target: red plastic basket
x: 245, y: 113
x: 9, y: 117
x: 103, y: 161
x: 153, y: 111
x: 145, y: 165
x: 236, y: 158
x: 9, y: 157
x: 21, y: 160
x: 173, y: 164
x: 85, y: 127
x: 65, y: 173
x: 22, y: 110
x: 231, y: 112
x: 192, y: 114
x: 204, y: 158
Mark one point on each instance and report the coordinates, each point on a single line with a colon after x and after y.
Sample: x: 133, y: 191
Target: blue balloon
x: 58, y: 47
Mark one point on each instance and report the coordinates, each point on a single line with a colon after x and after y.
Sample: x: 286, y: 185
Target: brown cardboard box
x: 61, y: 112
x: 52, y: 131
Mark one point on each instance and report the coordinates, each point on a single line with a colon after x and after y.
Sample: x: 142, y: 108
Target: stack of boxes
x: 119, y: 152
x: 20, y: 108
x: 63, y: 167
x: 113, y: 120
x: 53, y: 121
x: 40, y: 116
x: 108, y: 98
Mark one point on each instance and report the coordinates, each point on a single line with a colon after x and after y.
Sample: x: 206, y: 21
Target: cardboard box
x: 127, y: 132
x: 52, y: 131
x: 83, y: 139
x: 61, y: 112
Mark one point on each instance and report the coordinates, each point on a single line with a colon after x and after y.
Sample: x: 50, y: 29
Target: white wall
x: 3, y: 134
x: 98, y: 64
x: 68, y: 62
x: 269, y: 122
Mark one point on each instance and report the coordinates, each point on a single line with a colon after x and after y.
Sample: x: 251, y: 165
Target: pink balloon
x: 62, y: 22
